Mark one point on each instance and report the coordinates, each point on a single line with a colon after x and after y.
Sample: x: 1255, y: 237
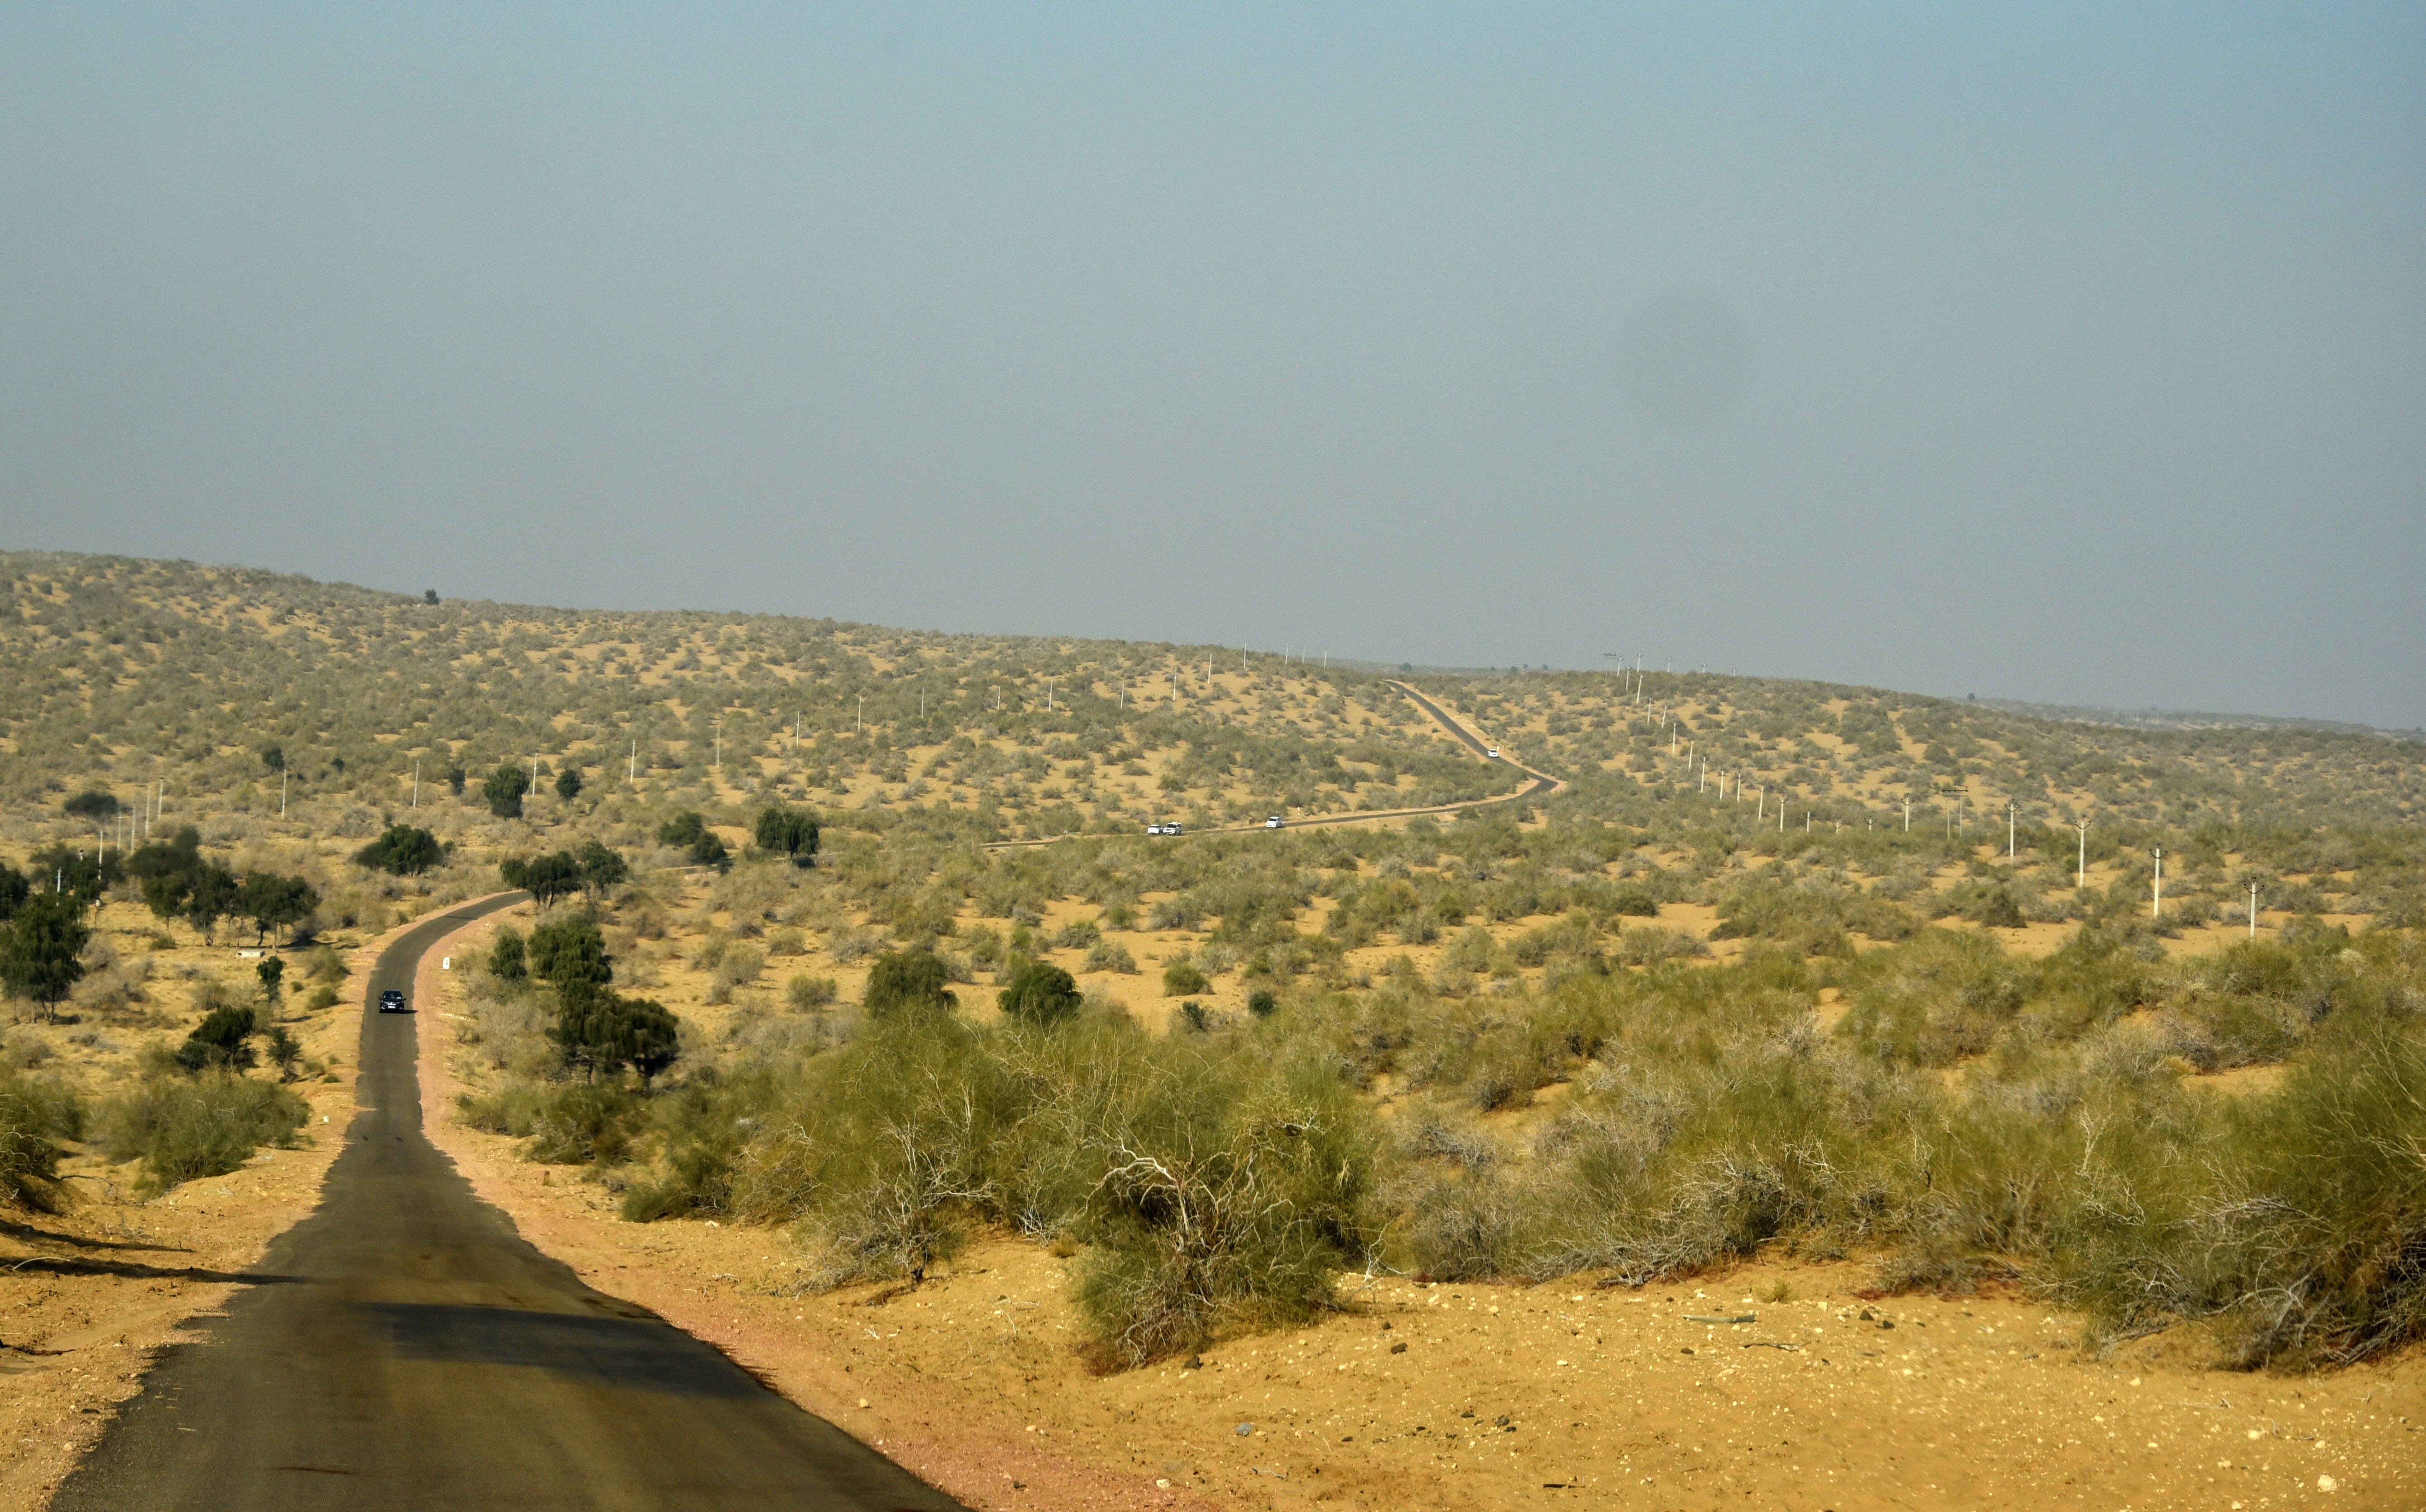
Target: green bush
x: 908, y: 983
x: 1184, y: 978
x: 206, y: 1125
x: 1040, y: 993
x: 567, y: 1124
x: 403, y: 850
x: 1110, y: 955
x: 806, y: 993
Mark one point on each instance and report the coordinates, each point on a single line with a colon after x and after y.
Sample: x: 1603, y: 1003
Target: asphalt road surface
x: 403, y: 1348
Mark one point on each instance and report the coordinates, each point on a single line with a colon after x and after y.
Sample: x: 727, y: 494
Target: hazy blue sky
x: 2062, y: 353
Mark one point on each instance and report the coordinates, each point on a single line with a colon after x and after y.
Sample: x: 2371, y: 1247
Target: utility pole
x: 1907, y: 816
x: 416, y: 781
x: 859, y: 721
x: 2082, y: 879
x: 2156, y: 908
x: 632, y: 762
x: 719, y: 751
x: 2010, y: 809
x: 2253, y: 910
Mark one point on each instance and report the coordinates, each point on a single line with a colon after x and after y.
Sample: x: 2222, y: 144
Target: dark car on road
x: 390, y: 1001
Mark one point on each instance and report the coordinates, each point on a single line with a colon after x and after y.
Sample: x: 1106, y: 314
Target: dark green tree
x: 683, y: 830
x: 596, y: 1031
x: 601, y: 868
x: 223, y: 1039
x: 429, y: 595
x: 93, y: 806
x: 568, y: 784
x: 284, y: 1050
x: 404, y: 850
x: 38, y: 958
x: 15, y: 888
x: 213, y: 895
x: 1040, y: 993
x: 545, y: 878
x: 906, y: 982
x: 85, y: 876
x: 272, y: 971
x: 274, y: 758
x: 504, y: 791
x: 275, y: 902
x: 456, y: 778
x: 507, y: 957
x: 783, y: 831
x: 569, y: 952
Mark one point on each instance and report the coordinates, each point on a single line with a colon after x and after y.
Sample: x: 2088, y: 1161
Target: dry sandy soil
x: 1610, y: 1397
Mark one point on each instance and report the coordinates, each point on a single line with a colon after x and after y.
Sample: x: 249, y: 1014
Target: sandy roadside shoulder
x: 91, y: 1295
x: 730, y: 1287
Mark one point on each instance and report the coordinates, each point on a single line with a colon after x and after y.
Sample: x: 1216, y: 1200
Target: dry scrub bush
x: 184, y: 1127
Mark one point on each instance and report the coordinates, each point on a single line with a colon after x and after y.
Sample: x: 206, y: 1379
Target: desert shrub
x: 567, y: 1124
x: 2299, y: 1229
x: 1938, y: 997
x: 1040, y: 993
x: 1183, y: 979
x: 206, y: 1125
x: 404, y: 850
x: 908, y: 983
x: 704, y: 1129
x: 1080, y: 934
x: 34, y: 1117
x: 223, y: 1040
x: 805, y: 993
x: 1110, y: 955
x: 1223, y: 1193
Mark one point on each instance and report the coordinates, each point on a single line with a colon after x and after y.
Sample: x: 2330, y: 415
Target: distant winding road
x: 404, y: 1348
x: 1543, y: 785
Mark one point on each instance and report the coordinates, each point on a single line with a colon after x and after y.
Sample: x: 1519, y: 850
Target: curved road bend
x: 1542, y: 786
x: 403, y: 1348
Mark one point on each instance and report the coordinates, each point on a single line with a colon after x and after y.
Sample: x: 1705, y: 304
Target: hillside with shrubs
x: 857, y: 934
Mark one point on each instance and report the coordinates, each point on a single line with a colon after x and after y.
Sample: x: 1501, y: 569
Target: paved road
x: 402, y: 1348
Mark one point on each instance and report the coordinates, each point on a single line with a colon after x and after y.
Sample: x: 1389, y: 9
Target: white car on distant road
x: 1494, y: 753
x: 1273, y: 822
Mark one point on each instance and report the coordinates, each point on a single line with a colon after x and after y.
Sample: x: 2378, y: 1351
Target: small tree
x: 213, y: 895
x: 456, y: 778
x: 404, y: 850
x: 545, y: 877
x: 504, y: 791
x: 272, y: 971
x: 274, y: 758
x: 783, y: 831
x: 506, y: 960
x: 93, y: 806
x: 284, y: 1050
x: 429, y: 595
x: 597, y: 1031
x: 601, y: 868
x: 906, y: 982
x: 568, y: 951
x: 15, y: 888
x: 38, y: 958
x: 1040, y: 993
x: 223, y: 1039
x: 568, y: 784
x: 275, y: 902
